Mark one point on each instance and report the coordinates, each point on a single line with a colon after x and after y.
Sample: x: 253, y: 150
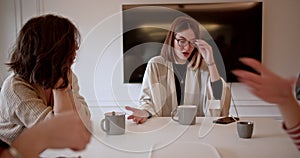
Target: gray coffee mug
x: 113, y: 123
x: 186, y: 114
x: 245, y: 129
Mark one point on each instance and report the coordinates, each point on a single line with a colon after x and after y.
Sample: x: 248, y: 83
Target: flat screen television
x: 234, y: 27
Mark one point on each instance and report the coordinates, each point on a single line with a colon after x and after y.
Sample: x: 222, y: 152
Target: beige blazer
x: 158, y: 91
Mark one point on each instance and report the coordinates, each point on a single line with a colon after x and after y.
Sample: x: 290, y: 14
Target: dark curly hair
x: 44, y: 50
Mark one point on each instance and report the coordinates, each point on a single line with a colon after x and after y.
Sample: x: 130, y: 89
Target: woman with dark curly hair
x: 42, y: 84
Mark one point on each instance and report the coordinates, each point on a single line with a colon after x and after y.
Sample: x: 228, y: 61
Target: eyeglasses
x: 184, y: 42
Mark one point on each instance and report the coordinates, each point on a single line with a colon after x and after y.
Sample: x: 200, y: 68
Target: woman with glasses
x: 179, y: 75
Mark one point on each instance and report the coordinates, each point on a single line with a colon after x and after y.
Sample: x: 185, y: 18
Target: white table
x: 161, y: 135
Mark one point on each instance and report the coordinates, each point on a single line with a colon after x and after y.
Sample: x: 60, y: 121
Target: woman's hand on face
x: 138, y: 115
x: 59, y: 83
x: 205, y: 50
x: 61, y: 80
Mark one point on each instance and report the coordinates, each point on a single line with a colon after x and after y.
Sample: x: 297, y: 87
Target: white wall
x: 7, y: 33
x: 99, y: 62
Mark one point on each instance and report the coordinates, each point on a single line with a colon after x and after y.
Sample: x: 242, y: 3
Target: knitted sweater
x: 22, y: 105
x: 294, y: 133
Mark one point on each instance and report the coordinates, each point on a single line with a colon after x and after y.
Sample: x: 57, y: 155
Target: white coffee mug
x: 113, y: 123
x: 214, y: 107
x: 186, y: 114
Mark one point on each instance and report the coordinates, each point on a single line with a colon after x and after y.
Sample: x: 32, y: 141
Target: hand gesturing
x: 138, y: 115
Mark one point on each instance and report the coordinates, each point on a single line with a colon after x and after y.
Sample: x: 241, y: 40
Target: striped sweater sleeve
x: 294, y: 134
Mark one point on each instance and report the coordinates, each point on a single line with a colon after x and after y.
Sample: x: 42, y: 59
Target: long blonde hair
x: 178, y: 25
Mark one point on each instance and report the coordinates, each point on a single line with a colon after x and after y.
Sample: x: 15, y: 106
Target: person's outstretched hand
x: 268, y: 86
x: 138, y: 115
x: 272, y: 88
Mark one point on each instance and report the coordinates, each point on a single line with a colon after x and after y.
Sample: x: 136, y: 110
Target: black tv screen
x: 234, y: 27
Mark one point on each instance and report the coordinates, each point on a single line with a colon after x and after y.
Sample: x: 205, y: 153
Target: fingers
x: 131, y: 108
x: 138, y: 116
x: 251, y: 84
x: 205, y: 50
x: 247, y: 76
x: 198, y: 43
x: 144, y: 119
x: 58, y: 83
x: 137, y: 112
x: 201, y: 42
x: 130, y: 117
x: 136, y: 119
x: 203, y: 45
x: 139, y: 120
x: 256, y: 65
x: 134, y: 112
